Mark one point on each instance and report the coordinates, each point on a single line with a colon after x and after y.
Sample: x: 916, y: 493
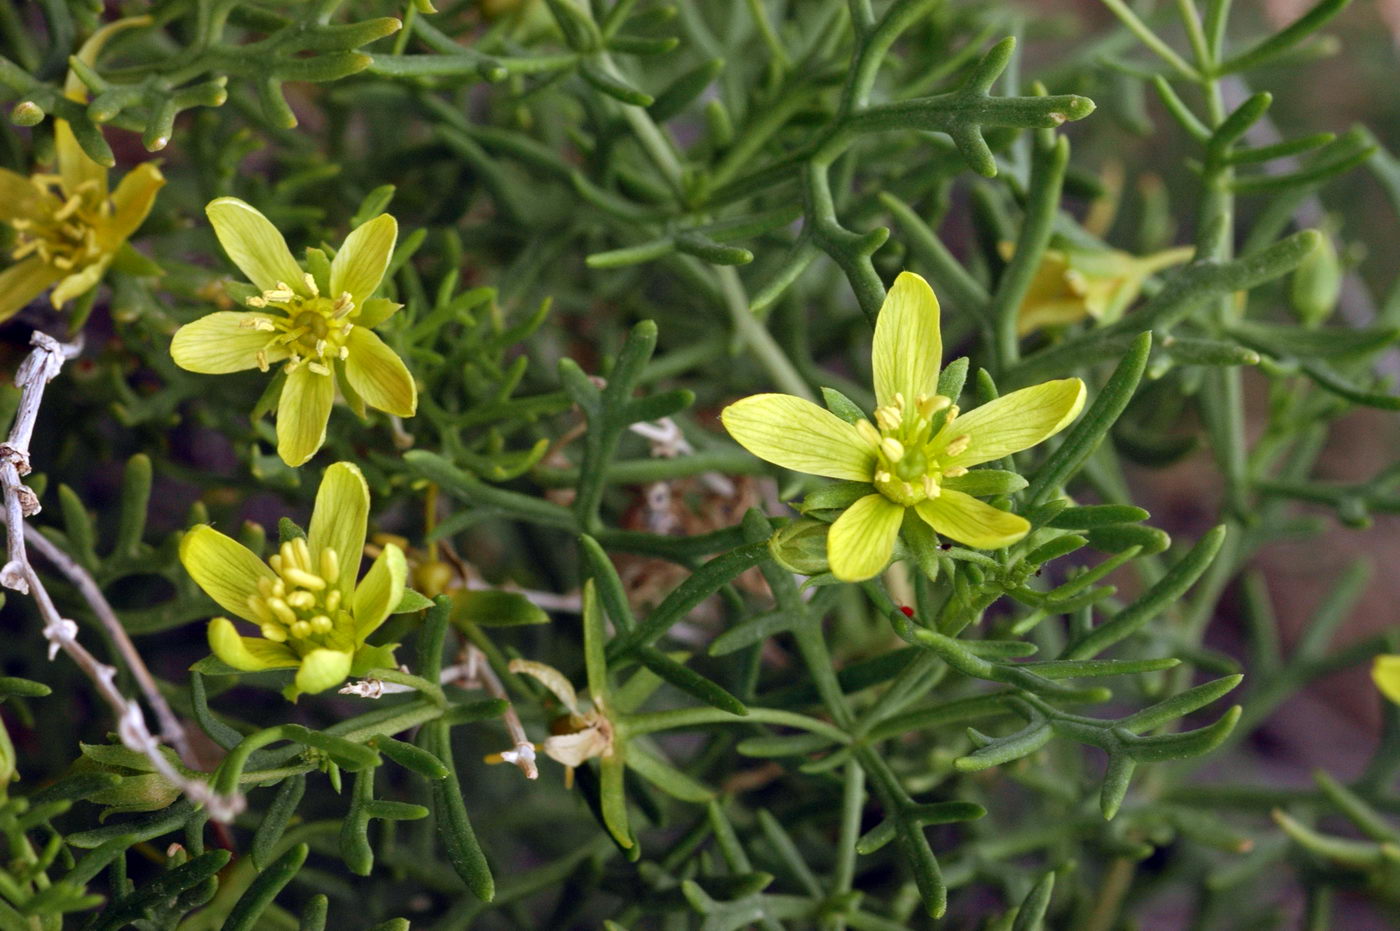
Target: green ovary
x: 302, y: 607
x: 314, y: 329
x: 914, y: 442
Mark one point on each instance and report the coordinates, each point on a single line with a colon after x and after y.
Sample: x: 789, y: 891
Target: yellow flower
x: 319, y: 324
x: 1071, y: 284
x: 305, y: 601
x: 1385, y: 672
x: 918, y: 450
x: 69, y: 226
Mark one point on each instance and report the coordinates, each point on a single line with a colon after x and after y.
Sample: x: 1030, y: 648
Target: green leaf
x: 495, y: 608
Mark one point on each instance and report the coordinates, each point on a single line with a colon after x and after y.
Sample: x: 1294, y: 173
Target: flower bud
x: 1317, y: 283
x: 800, y: 546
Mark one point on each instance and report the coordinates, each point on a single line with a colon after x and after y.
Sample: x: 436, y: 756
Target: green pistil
x: 912, y: 443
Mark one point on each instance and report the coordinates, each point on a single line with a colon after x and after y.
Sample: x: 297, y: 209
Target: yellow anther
x: 279, y: 588
x: 958, y: 446
x: 333, y: 599
x: 868, y: 432
x: 303, y: 551
x: 258, y: 609
x: 321, y: 624
x: 343, y: 305
x: 955, y: 471
x: 303, y: 578
x: 262, y: 360
x: 953, y: 412
x: 301, y: 630
x: 69, y: 208
x: 908, y: 490
x: 286, y: 556
x: 928, y: 406
x: 311, y: 284
x: 284, y: 611
x: 265, y: 584
x: 302, y: 600
x: 274, y: 632
x: 887, y: 417
x: 344, y: 353
x: 330, y: 564
x: 320, y: 347
x: 892, y: 448
x: 931, y: 488
x: 25, y: 248
x: 883, y: 477
x: 256, y: 301
x: 20, y: 223
x: 63, y: 262
x: 899, y: 400
x: 318, y: 367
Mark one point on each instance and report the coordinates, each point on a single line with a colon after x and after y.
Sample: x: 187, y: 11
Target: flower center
x: 314, y: 329
x: 302, y: 606
x: 67, y: 238
x: 914, y: 442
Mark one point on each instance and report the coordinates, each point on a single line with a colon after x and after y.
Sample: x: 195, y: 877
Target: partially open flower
x: 313, y: 615
x: 1072, y: 284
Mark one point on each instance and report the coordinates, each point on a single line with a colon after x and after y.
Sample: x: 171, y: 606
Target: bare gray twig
x: 37, y: 370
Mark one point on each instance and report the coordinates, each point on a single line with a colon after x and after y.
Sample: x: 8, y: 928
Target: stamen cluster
x: 67, y: 240
x: 302, y: 606
x: 314, y: 329
x: 913, y: 443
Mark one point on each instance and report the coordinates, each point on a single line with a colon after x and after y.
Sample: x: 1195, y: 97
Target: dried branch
x: 34, y: 374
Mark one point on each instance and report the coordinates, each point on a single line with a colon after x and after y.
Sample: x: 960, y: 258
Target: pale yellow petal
x: 24, y: 281
x: 908, y: 346
x: 862, y: 539
x: 339, y: 517
x: 799, y: 435
x: 975, y: 523
x: 322, y: 669
x: 224, y: 342
x: 132, y: 201
x: 1385, y: 672
x: 359, y: 265
x: 227, y: 570
x: 79, y: 173
x: 250, y: 654
x: 302, y: 413
x: 378, y: 374
x: 80, y: 282
x: 21, y: 200
x: 380, y: 591
x: 1016, y: 421
x: 254, y: 244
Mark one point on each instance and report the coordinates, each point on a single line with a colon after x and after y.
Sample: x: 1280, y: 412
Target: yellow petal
x: 226, y: 569
x: 1016, y: 421
x: 322, y: 669
x: 254, y: 244
x: 378, y: 374
x: 1385, y: 672
x: 380, y: 591
x: 24, y: 281
x: 798, y: 435
x: 21, y: 200
x: 302, y: 413
x: 74, y: 167
x: 339, y: 517
x: 975, y: 523
x: 132, y: 200
x: 908, y: 345
x: 222, y: 343
x: 862, y: 539
x: 250, y: 654
x: 359, y: 265
x: 80, y: 282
